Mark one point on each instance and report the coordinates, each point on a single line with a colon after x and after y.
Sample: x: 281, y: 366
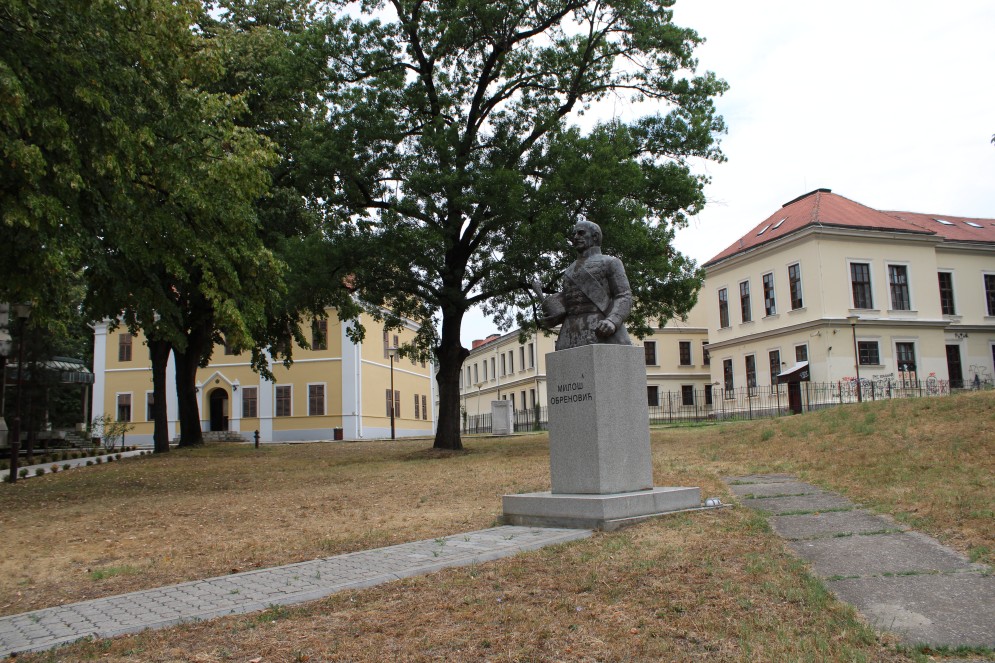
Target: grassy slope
x: 711, y: 587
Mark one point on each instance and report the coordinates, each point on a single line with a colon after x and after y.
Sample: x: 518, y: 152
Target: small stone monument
x: 502, y: 418
x: 599, y: 445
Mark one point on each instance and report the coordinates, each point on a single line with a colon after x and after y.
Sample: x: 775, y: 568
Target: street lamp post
x: 852, y: 319
x: 392, y: 352
x: 22, y: 312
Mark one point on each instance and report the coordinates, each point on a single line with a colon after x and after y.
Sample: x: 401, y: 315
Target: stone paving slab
x: 858, y: 555
x: 937, y: 597
x: 814, y: 502
x: 942, y: 610
x: 759, y: 478
x: 260, y: 589
x: 814, y: 525
x: 773, y: 489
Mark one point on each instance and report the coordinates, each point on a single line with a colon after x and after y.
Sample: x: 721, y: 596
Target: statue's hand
x: 605, y: 329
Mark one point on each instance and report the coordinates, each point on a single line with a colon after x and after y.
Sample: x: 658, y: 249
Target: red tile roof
x: 824, y: 208
x: 953, y: 228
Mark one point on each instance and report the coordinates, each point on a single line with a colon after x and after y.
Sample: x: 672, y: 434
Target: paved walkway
x: 73, y: 463
x: 900, y: 580
x: 257, y: 590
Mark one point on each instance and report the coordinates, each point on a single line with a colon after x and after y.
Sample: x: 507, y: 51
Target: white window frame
x: 953, y: 289
x: 276, y: 400
x: 870, y: 275
x: 908, y: 277
x: 131, y: 404
x: 801, y: 286
x: 324, y: 399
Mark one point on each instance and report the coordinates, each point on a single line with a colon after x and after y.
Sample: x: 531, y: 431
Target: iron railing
x: 687, y: 406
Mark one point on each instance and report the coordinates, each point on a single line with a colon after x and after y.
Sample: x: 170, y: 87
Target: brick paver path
x: 257, y: 590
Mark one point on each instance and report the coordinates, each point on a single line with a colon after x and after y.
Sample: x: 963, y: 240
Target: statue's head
x: 585, y: 234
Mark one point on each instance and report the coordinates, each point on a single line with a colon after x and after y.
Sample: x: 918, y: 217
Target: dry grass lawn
x: 714, y: 586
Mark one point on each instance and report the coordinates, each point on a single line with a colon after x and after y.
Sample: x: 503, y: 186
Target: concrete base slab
x: 833, y: 523
x: 956, y: 609
x: 909, y: 552
x: 604, y: 512
x: 759, y: 478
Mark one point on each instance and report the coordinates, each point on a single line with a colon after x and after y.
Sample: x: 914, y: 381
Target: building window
x: 801, y: 353
x: 684, y: 350
x: 770, y: 305
x: 504, y: 365
x: 521, y: 357
x: 653, y: 396
x: 687, y: 394
x: 860, y: 281
x: 746, y: 310
x: 751, y: 374
x: 723, y: 308
x: 898, y: 282
x: 511, y: 361
x: 124, y: 342
x: 493, y: 369
x: 868, y: 353
x: 532, y: 397
x: 316, y: 400
x: 775, y: 368
x: 532, y: 356
x: 990, y: 293
x: 250, y: 402
x: 649, y: 348
x: 124, y: 407
x: 476, y: 374
x: 386, y: 344
x: 946, y: 280
x: 284, y: 401
x: 149, y: 406
x: 417, y: 407
x: 708, y: 394
x: 905, y: 356
x: 795, y: 286
x: 511, y: 397
x: 229, y: 350
x: 706, y: 358
x: 319, y: 334
x: 424, y: 407
x: 727, y: 378
x: 393, y: 404
x: 485, y: 369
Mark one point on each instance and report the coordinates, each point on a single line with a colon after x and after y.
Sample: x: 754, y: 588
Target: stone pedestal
x: 599, y: 448
x: 502, y: 418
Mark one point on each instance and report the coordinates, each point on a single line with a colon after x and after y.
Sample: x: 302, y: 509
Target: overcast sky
x: 890, y: 103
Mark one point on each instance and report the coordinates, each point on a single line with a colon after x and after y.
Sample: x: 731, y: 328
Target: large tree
x: 447, y: 145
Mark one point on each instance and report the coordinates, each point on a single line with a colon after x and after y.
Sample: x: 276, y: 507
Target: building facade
x: 503, y: 367
x: 337, y: 389
x: 896, y: 297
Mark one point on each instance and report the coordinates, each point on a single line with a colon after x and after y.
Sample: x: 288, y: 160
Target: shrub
x: 66, y: 466
x: 23, y: 472
x: 39, y: 471
x: 55, y: 467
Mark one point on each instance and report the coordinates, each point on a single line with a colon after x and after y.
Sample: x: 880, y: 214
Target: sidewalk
x: 899, y: 580
x: 257, y: 590
x: 73, y: 463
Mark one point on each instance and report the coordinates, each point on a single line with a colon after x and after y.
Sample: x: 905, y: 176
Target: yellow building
x: 897, y: 297
x: 338, y: 389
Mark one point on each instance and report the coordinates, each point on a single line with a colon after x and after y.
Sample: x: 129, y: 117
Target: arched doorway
x: 219, y: 409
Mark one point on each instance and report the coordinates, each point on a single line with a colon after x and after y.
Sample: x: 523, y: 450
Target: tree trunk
x: 451, y: 355
x: 186, y: 397
x: 159, y: 352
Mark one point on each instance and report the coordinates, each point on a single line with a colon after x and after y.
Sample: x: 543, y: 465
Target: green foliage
x: 448, y: 149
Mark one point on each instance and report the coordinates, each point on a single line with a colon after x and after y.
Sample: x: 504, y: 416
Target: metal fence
x: 718, y: 404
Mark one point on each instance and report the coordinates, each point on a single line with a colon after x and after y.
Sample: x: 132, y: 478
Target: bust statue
x: 596, y: 298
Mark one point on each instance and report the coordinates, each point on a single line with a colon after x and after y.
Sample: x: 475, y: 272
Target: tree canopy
x: 448, y: 145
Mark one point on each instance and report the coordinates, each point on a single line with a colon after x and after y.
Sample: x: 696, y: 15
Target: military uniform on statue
x: 595, y: 292
x: 601, y: 465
